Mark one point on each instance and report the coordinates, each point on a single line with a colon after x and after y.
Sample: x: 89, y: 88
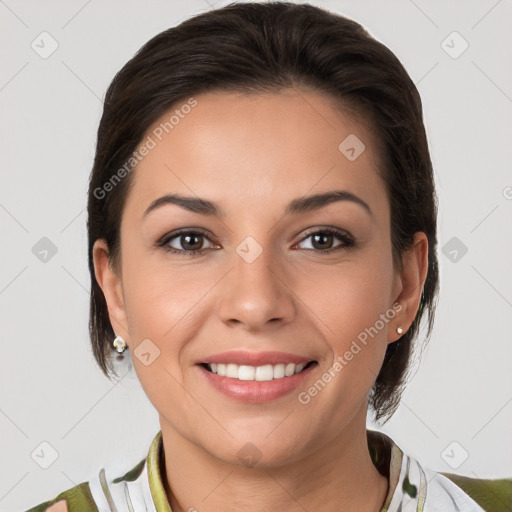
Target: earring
x: 399, y: 330
x: 119, y: 344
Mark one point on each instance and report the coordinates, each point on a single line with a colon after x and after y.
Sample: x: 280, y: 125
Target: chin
x: 257, y: 450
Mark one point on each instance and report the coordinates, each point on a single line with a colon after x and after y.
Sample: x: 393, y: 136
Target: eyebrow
x: 296, y: 206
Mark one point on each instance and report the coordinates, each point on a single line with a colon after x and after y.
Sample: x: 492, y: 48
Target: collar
x: 385, y: 454
x: 154, y: 462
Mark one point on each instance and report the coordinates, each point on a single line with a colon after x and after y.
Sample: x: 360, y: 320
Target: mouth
x: 267, y: 372
x: 256, y: 377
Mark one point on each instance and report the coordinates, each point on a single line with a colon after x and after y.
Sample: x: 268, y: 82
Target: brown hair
x: 266, y: 47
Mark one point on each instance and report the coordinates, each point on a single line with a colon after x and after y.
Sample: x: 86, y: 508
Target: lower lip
x: 256, y: 391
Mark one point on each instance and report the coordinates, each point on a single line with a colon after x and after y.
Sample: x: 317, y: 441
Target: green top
x: 411, y: 487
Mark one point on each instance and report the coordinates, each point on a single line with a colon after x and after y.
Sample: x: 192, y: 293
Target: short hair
x: 266, y: 47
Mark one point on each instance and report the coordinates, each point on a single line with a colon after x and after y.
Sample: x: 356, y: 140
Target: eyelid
x: 164, y: 241
x: 344, y: 236
x: 326, y: 229
x: 341, y: 234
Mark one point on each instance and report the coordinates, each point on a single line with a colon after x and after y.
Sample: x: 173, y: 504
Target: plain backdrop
x: 456, y: 414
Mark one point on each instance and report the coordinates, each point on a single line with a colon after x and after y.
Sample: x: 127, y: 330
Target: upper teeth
x: 266, y: 372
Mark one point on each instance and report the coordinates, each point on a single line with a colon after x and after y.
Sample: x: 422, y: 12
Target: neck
x: 339, y: 475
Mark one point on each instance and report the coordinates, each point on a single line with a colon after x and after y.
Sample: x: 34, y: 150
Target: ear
x: 410, y: 282
x: 111, y: 285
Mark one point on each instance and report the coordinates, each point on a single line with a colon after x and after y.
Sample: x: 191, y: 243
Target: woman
x: 262, y: 242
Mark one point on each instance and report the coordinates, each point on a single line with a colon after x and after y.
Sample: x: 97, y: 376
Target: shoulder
x: 74, y: 499
x: 449, y: 491
x: 415, y: 487
x: 99, y: 493
x: 113, y: 488
x: 493, y: 495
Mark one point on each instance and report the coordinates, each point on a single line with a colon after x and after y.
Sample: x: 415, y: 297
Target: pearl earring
x: 399, y: 330
x: 119, y: 344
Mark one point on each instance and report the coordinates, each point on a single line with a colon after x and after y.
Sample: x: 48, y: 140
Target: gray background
x: 51, y: 389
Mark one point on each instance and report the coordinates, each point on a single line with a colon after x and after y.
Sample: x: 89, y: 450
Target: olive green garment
x: 411, y: 487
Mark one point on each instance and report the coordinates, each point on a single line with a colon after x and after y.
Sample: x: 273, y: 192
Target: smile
x: 257, y: 373
x: 256, y: 377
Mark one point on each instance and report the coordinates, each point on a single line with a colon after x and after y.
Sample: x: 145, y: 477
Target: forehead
x: 251, y: 151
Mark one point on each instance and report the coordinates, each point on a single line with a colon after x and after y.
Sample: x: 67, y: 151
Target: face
x: 262, y: 278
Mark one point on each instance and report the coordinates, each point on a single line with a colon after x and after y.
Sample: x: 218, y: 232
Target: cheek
x: 350, y: 298
x: 353, y: 304
x: 163, y: 305
x: 167, y: 305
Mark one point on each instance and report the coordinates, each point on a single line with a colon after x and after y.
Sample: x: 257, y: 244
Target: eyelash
x: 348, y: 241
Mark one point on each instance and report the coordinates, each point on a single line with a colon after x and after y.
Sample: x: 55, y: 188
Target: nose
x: 257, y: 294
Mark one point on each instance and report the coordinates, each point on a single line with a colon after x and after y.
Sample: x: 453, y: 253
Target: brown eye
x: 189, y: 243
x: 323, y: 240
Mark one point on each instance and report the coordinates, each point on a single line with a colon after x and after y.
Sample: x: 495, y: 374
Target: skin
x: 252, y: 155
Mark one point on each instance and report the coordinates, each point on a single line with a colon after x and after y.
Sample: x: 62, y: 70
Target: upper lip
x: 241, y: 357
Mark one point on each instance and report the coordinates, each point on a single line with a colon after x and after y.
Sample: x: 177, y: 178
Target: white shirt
x: 141, y: 489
